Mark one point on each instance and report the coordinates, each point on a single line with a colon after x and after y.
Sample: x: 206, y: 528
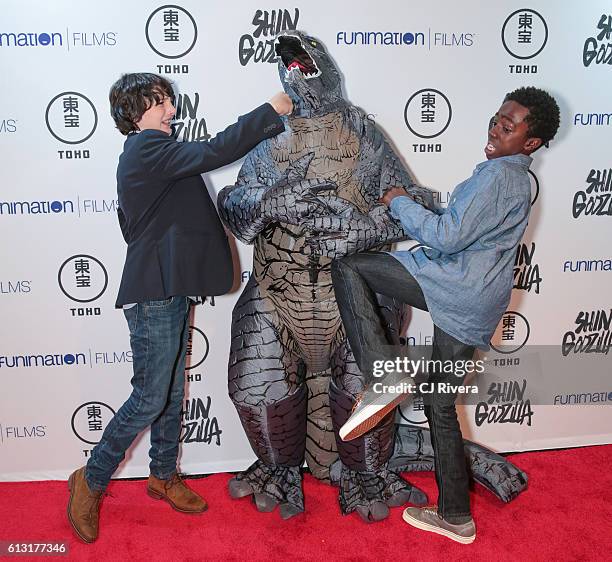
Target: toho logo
x: 71, y: 117
x: 82, y: 278
x: 512, y: 333
x: 171, y: 32
x: 428, y: 113
x: 524, y: 34
x: 414, y: 411
x: 89, y: 420
x: 197, y: 348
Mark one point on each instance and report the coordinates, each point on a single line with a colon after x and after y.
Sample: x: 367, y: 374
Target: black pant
x: 356, y: 279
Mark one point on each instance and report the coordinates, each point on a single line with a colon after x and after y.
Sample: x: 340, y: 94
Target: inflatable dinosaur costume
x: 303, y: 198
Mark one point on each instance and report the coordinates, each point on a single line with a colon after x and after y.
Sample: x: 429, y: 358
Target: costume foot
x: 264, y: 503
x: 287, y: 510
x: 239, y: 488
x: 371, y: 494
x: 411, y: 495
x: 375, y: 511
x: 270, y: 486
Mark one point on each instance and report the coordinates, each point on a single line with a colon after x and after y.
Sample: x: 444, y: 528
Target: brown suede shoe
x: 177, y: 494
x: 83, y: 507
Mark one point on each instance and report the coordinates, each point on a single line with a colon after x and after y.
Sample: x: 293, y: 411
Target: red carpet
x: 566, y: 514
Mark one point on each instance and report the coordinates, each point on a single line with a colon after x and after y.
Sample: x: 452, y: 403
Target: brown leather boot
x: 177, y: 494
x: 83, y: 507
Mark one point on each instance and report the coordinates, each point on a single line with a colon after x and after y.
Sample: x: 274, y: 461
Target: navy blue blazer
x: 176, y: 243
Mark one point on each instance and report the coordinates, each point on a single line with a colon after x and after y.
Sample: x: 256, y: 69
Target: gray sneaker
x: 376, y: 401
x: 427, y: 518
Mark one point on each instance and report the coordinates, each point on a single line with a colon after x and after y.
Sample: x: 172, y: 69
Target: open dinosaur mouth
x: 295, y: 57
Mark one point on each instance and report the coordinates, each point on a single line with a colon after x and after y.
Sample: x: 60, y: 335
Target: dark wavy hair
x: 133, y: 94
x: 543, y: 117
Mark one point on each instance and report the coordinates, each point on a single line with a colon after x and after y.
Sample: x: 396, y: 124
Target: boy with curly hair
x: 463, y: 277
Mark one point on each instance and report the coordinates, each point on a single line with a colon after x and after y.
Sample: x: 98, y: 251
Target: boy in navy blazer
x: 177, y: 250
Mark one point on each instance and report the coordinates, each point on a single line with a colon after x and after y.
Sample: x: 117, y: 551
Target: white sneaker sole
x: 439, y: 530
x: 367, y: 418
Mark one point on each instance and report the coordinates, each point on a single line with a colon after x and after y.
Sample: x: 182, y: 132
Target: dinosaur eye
x: 313, y: 42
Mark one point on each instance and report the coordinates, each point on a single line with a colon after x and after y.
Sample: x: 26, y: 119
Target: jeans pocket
x: 159, y: 304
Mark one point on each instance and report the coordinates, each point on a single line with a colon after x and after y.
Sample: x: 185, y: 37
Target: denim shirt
x: 466, y: 271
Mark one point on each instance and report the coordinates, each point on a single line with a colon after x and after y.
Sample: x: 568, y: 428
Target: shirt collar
x: 522, y: 160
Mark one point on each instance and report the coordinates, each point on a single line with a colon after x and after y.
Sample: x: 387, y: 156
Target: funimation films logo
x: 89, y: 420
x: 197, y: 348
x: 171, y: 32
x: 428, y: 113
x: 71, y: 117
x: 511, y: 334
x: 82, y: 278
x: 524, y: 34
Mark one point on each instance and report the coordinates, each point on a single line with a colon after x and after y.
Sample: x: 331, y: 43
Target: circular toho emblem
x: 82, y: 278
x: 524, y: 34
x: 197, y: 348
x: 511, y: 334
x: 535, y: 187
x: 71, y: 117
x: 413, y: 412
x: 171, y: 32
x: 89, y: 420
x: 428, y: 113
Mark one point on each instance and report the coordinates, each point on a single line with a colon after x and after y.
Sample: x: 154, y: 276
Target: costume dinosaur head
x: 307, y: 73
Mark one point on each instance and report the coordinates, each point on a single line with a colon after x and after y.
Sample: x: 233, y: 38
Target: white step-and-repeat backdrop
x: 430, y: 74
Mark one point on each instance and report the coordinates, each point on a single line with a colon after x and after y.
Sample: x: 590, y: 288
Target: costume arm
x: 239, y: 205
x: 347, y: 230
x: 260, y: 197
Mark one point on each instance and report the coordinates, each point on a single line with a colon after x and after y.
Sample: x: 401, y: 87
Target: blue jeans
x: 159, y: 331
x: 356, y: 279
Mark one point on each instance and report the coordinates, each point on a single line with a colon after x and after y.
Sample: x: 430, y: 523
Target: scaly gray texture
x: 302, y: 199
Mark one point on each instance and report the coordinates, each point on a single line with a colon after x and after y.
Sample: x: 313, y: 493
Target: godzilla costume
x: 302, y: 199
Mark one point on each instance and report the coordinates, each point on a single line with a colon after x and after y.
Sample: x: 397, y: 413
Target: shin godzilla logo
x: 598, y: 49
x: 592, y: 334
x: 259, y: 46
x: 506, y: 403
x: 526, y: 270
x: 198, y: 425
x: 188, y: 125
